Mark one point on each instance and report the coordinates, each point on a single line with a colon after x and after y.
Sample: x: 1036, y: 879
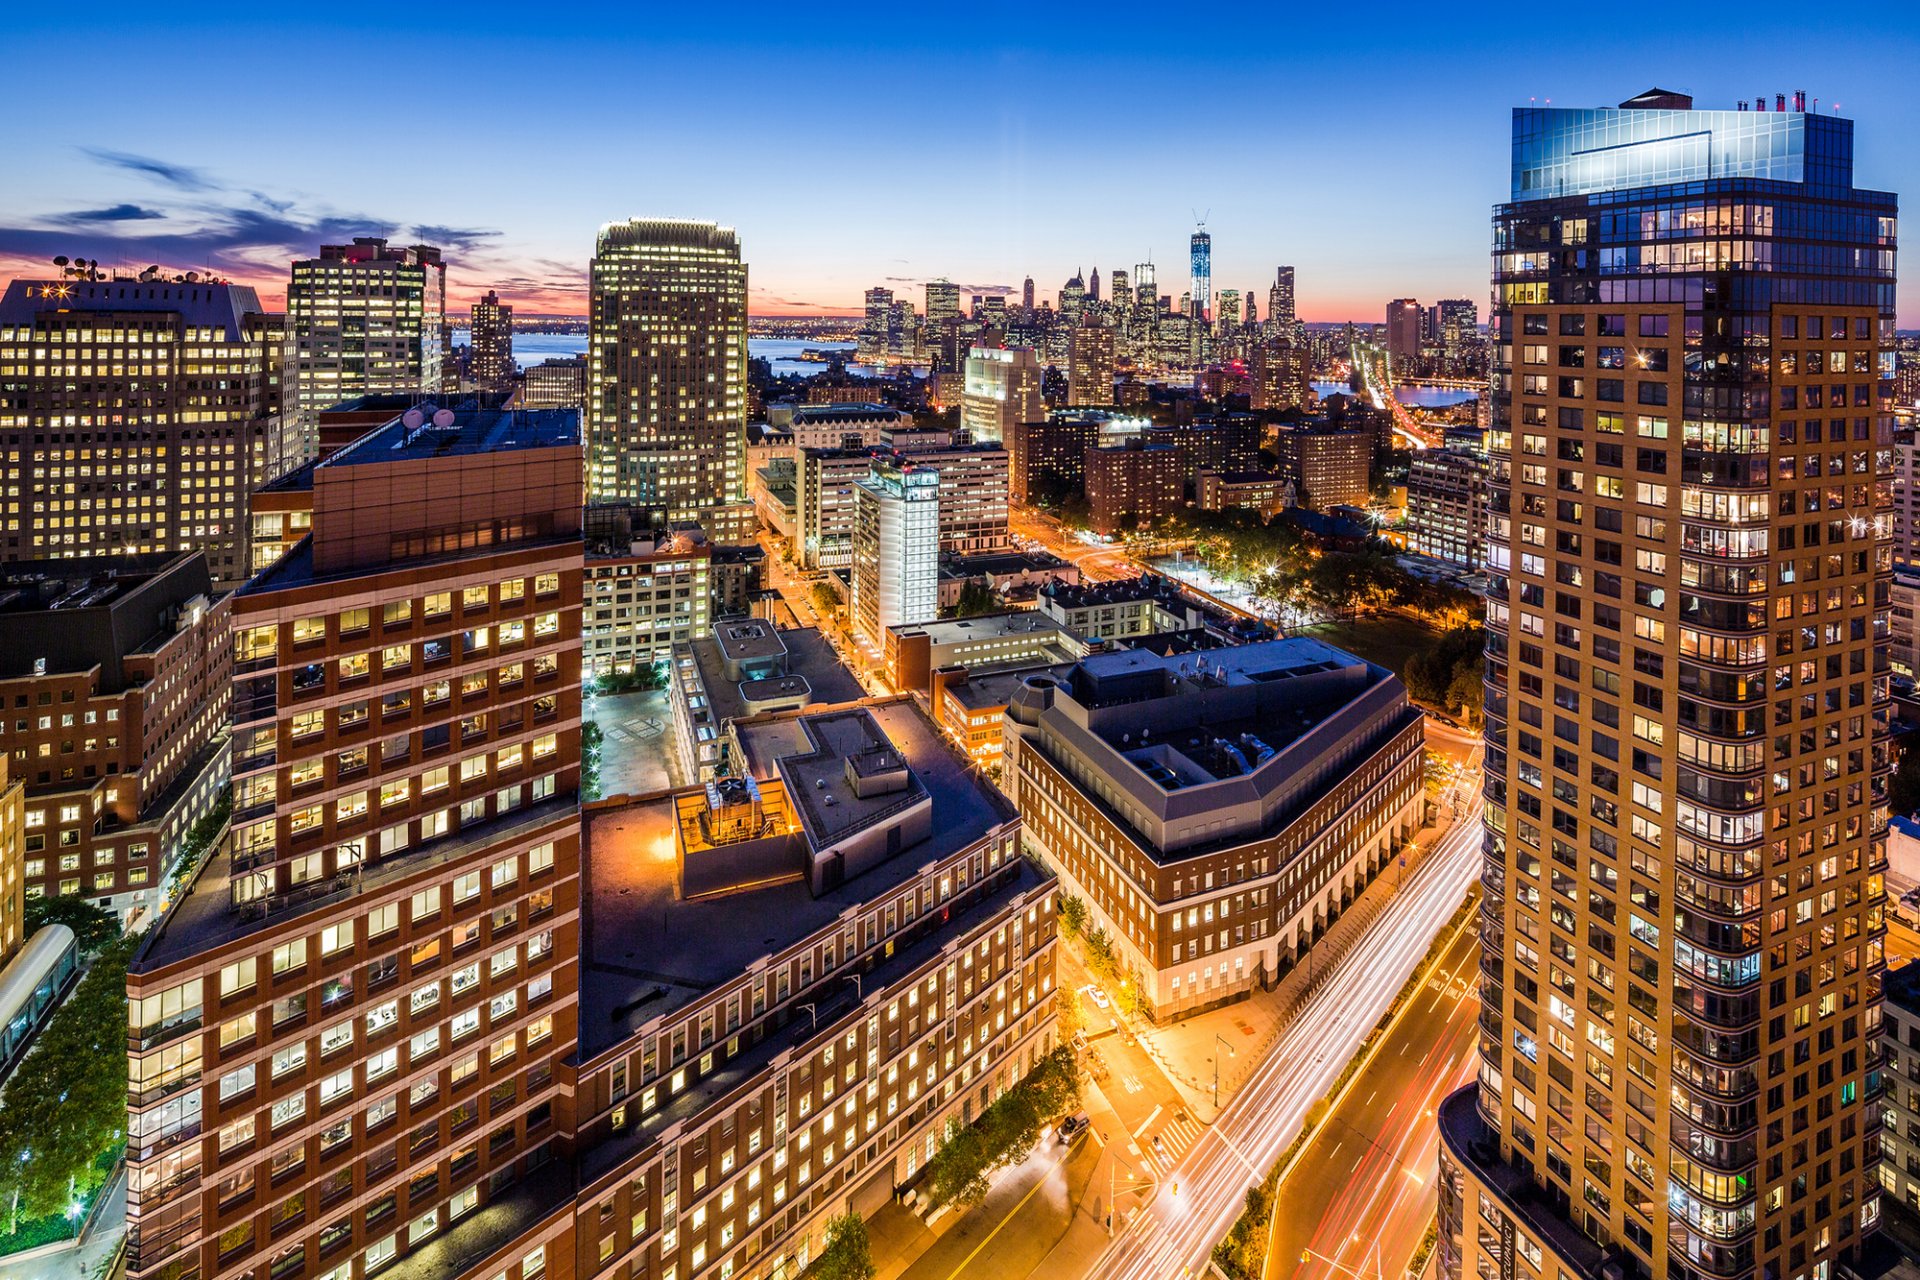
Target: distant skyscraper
x: 1282, y: 319
x: 1026, y: 296
x: 1253, y: 309
x: 1002, y: 388
x: 137, y: 424
x: 1121, y: 290
x: 1093, y: 286
x: 491, y: 330
x: 1403, y: 329
x: 1072, y: 296
x: 1229, y: 309
x: 1202, y: 258
x: 896, y: 549
x: 1456, y: 324
x: 943, y: 301
x: 1090, y: 355
x: 1685, y: 694
x: 873, y: 332
x: 667, y: 395
x: 365, y: 319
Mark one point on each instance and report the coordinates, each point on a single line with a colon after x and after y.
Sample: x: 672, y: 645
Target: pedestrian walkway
x: 1187, y: 1050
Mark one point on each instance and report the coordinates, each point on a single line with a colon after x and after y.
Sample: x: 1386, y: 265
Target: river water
x: 532, y: 348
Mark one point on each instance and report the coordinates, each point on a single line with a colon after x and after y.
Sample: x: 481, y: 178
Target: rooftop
x: 748, y: 639
x: 809, y: 658
x: 650, y: 951
x: 995, y: 686
x: 829, y: 414
x: 199, y: 303
x: 413, y: 436
x: 76, y: 614
x: 986, y: 626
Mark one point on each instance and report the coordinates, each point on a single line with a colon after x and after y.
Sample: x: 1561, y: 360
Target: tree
x: 847, y: 1254
x: 1073, y: 915
x: 1005, y: 1132
x: 94, y: 926
x: 825, y: 601
x: 66, y: 1104
x: 976, y: 597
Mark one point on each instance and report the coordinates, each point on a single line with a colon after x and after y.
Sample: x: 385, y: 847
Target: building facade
x: 363, y: 318
x: 645, y: 592
x: 490, y: 329
x: 667, y: 369
x: 1215, y: 811
x: 1686, y: 703
x: 346, y: 1037
x: 1002, y: 388
x: 1131, y: 485
x: 1327, y: 467
x: 1447, y: 506
x: 559, y: 383
x: 136, y: 416
x: 1090, y: 356
x: 896, y: 550
x: 115, y: 687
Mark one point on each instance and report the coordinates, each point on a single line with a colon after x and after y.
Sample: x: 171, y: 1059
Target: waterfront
x: 1413, y: 395
x: 532, y: 348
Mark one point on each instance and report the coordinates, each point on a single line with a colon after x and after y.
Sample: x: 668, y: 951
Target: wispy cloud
x: 174, y: 175
x: 113, y: 213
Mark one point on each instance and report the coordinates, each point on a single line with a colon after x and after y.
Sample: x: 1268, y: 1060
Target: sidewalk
x: 1185, y: 1050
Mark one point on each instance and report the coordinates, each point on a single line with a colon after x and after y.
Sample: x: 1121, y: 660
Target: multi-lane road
x: 1204, y: 1191
x: 1361, y: 1196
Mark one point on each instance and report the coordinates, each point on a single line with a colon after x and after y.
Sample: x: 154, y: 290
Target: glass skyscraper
x: 1686, y: 704
x: 1202, y: 249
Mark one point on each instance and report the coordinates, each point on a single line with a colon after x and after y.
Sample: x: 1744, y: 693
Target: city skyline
x: 214, y: 190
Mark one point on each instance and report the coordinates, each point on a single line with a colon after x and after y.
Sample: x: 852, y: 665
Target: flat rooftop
x: 810, y: 658
x: 986, y: 626
x: 748, y: 639
x: 648, y: 951
x: 1001, y: 562
x: 84, y: 582
x: 995, y: 688
x: 470, y: 431
x: 814, y: 770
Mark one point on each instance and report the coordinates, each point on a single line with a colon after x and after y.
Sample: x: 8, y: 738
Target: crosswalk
x: 1164, y: 1149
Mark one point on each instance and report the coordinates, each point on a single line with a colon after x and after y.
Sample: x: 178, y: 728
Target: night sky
x: 863, y: 144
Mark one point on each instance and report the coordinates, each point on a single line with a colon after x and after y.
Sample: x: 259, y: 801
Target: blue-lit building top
x: 1202, y: 275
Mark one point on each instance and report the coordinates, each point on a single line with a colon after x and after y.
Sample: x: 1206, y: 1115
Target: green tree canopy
x: 94, y: 926
x: 847, y: 1254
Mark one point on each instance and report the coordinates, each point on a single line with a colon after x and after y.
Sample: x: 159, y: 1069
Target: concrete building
x: 1903, y: 621
x: 1224, y: 442
x: 1327, y: 467
x: 646, y: 591
x: 1017, y: 638
x: 363, y: 1005
x: 1018, y: 574
x: 1216, y: 812
x: 667, y: 372
x: 1905, y: 483
x: 842, y: 426
x: 1090, y: 357
x: 1047, y: 457
x: 363, y: 317
x: 1130, y: 609
x: 1277, y: 374
x: 1900, y: 1095
x: 136, y: 418
x: 1131, y: 485
x: 1404, y: 326
x: 1687, y: 1090
x: 116, y: 682
x: 746, y: 667
x: 1282, y: 318
x: 974, y: 482
x: 1003, y: 387
x: 490, y: 327
x: 1447, y: 506
x: 896, y: 550
x: 1262, y: 491
x: 559, y: 383
x: 847, y: 918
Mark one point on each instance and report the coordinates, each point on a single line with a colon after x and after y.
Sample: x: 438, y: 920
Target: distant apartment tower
x: 943, y: 301
x: 1327, y: 467
x: 135, y: 418
x: 1447, y: 506
x: 116, y: 677
x: 1404, y: 325
x: 1686, y: 705
x: 1455, y: 326
x: 1282, y: 319
x: 490, y: 329
x: 380, y: 972
x: 1002, y: 388
x: 1090, y: 357
x: 558, y: 383
x: 1277, y: 373
x: 364, y: 317
x: 896, y: 549
x: 877, y: 319
x: 1132, y: 484
x: 667, y: 395
x: 1215, y: 811
x: 1229, y: 310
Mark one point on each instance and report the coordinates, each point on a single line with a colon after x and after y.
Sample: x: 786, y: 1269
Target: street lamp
x: 1219, y: 1040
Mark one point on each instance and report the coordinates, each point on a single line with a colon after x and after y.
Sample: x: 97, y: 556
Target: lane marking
x: 1151, y: 1117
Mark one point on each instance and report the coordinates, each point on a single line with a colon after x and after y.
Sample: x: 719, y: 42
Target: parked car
x: 1096, y: 995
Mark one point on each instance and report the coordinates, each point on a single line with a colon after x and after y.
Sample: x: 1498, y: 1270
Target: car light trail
x: 1174, y: 1234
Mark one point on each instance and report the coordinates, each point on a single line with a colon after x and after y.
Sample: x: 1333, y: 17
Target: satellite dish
x: 412, y: 419
x: 443, y: 418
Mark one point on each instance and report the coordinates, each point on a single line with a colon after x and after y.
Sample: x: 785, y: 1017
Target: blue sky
x: 862, y: 144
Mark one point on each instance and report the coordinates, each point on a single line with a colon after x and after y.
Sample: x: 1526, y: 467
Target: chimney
x: 1760, y: 103
x: 1779, y: 102
x: 1799, y: 99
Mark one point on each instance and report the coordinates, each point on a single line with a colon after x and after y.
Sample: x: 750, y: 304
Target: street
x: 1362, y: 1194
x: 1096, y: 563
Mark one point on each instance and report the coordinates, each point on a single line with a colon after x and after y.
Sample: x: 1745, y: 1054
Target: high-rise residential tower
x: 1686, y: 704
x: 136, y: 415
x: 490, y: 328
x: 364, y: 318
x: 1090, y: 356
x: 1026, y: 298
x: 1201, y: 249
x: 896, y: 548
x: 1282, y: 319
x: 667, y: 381
x: 1404, y: 322
x: 943, y: 301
